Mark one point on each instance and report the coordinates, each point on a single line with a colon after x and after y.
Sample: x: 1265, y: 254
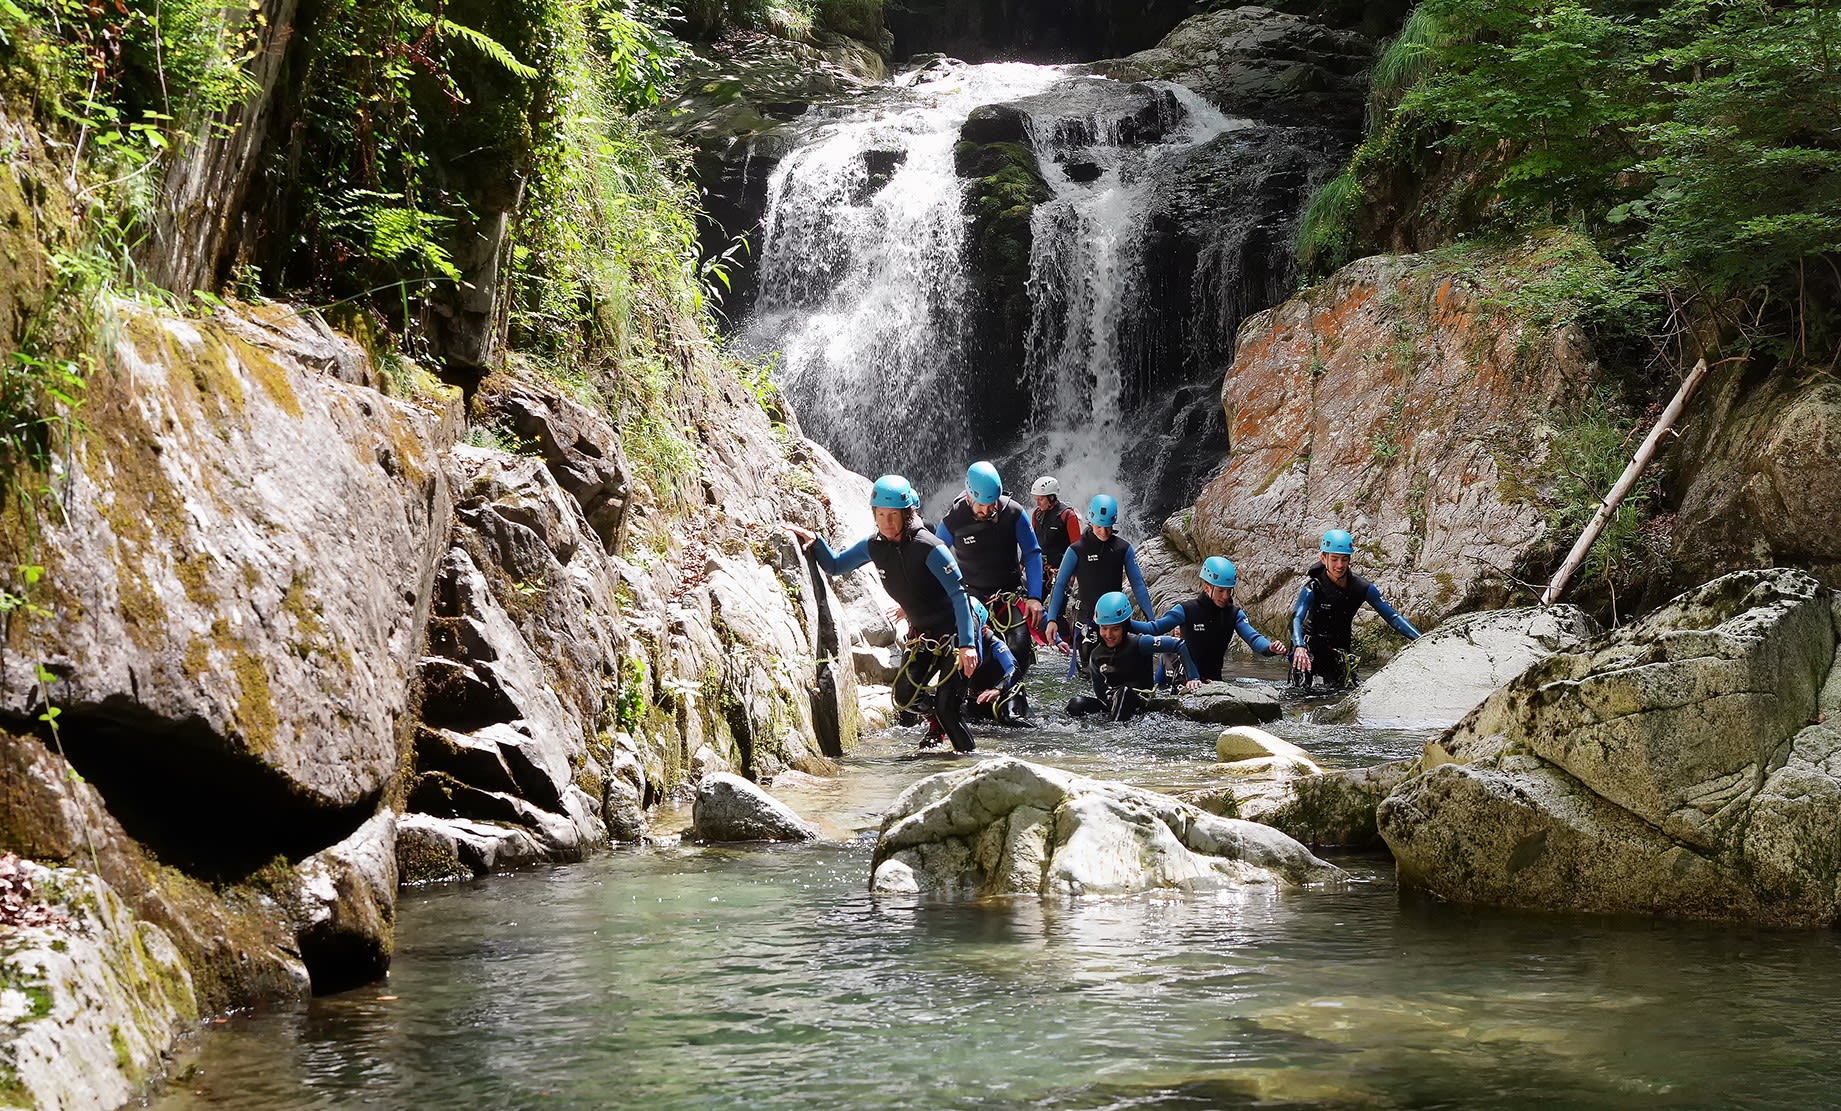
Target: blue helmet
x: 1219, y: 571
x: 1103, y: 511
x: 982, y: 483
x: 893, y: 492
x: 1113, y: 609
x: 980, y: 616
x: 1337, y: 542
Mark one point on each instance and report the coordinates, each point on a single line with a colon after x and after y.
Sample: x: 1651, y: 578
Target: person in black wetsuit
x: 1100, y: 562
x: 1057, y: 526
x: 998, y: 554
x: 1210, y: 619
x: 1322, y: 621
x: 1121, y: 663
x: 919, y: 572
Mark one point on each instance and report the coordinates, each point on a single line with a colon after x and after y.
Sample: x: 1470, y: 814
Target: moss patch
x: 268, y: 373
x: 254, y: 715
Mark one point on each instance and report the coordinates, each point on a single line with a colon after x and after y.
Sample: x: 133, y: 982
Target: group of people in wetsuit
x: 971, y: 591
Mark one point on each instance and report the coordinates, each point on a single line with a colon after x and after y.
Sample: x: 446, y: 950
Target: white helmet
x: 1045, y: 487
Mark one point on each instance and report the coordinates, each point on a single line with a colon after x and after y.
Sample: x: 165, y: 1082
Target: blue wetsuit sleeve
x: 840, y: 563
x: 946, y: 569
x: 1391, y: 615
x: 1155, y: 645
x: 1001, y: 653
x: 1138, y: 590
x: 1297, y: 616
x: 1163, y: 624
x: 1068, y: 562
x: 1032, y: 556
x: 1254, y: 638
x: 940, y: 530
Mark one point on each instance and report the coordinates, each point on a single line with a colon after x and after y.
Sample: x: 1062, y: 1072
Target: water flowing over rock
x: 1437, y: 679
x: 1008, y: 827
x: 729, y: 808
x: 90, y: 998
x: 1046, y: 266
x: 1401, y: 400
x: 1677, y: 765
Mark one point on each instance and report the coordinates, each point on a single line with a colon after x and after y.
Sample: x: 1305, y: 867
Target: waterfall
x: 864, y: 288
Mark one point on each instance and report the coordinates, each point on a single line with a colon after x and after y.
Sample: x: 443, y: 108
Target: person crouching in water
x: 1322, y: 622
x: 919, y: 572
x: 1099, y: 563
x: 1209, y: 621
x: 1056, y: 526
x: 995, y: 694
x: 1121, y: 662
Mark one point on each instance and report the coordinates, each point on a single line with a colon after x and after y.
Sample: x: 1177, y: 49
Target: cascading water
x: 865, y: 288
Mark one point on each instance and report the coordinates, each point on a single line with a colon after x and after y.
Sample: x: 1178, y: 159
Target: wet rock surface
x: 1222, y: 704
x: 1008, y: 827
x: 1434, y: 681
x: 1677, y: 765
x: 729, y: 808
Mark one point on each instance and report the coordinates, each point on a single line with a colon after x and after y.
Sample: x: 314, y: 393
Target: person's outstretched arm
x: 1255, y: 639
x: 1139, y: 592
x: 838, y: 563
x: 1162, y: 625
x: 1062, y: 577
x: 1298, y: 613
x: 1148, y: 646
x: 1031, y: 548
x: 1391, y: 615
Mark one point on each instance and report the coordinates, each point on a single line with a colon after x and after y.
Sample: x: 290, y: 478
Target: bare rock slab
x: 730, y: 808
x: 1009, y: 827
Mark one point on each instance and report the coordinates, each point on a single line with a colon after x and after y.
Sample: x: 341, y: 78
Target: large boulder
x: 1437, y: 679
x: 1009, y: 827
x: 1267, y: 65
x: 1678, y: 765
x: 1332, y: 808
x: 217, y: 656
x: 1758, y: 471
x: 345, y: 907
x: 729, y: 808
x: 91, y: 999
x: 1405, y: 400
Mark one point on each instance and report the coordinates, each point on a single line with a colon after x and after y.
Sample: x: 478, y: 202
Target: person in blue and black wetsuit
x: 995, y: 695
x: 1121, y: 663
x: 1210, y: 619
x: 1100, y: 562
x: 1322, y: 621
x: 919, y: 572
x: 998, y: 554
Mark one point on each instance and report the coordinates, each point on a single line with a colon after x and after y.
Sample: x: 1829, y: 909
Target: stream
x: 769, y: 977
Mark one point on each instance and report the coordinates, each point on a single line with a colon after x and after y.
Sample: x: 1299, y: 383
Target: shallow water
x: 768, y: 977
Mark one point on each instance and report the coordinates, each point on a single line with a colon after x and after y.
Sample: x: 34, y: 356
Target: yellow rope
x: 931, y: 649
x: 1007, y: 602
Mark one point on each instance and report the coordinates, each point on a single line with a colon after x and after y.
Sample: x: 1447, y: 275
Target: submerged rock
x: 91, y: 999
x: 1676, y: 765
x: 1009, y: 827
x: 729, y: 808
x: 1222, y: 704
x: 1333, y: 808
x: 1437, y: 679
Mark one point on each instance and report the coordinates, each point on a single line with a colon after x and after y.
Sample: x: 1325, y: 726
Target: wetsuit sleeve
x: 1154, y: 645
x: 1254, y: 638
x: 1136, y: 577
x: 1068, y: 562
x: 946, y: 569
x: 1298, y: 613
x: 1000, y: 652
x: 840, y: 563
x: 1391, y: 615
x: 1032, y: 556
x: 940, y: 530
x: 1163, y: 624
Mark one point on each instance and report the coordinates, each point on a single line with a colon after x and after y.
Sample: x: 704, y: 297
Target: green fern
x: 479, y: 40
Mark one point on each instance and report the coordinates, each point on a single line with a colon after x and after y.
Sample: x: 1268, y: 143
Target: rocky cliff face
x: 1407, y: 400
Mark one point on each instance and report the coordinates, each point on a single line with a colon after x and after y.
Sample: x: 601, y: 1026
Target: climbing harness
x: 931, y: 650
x: 1007, y: 611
